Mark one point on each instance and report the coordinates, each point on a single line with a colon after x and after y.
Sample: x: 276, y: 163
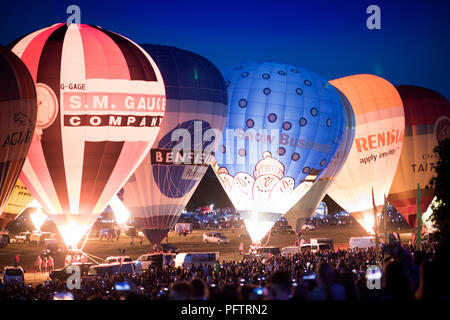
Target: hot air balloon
x: 101, y: 102
x: 196, y: 111
x: 284, y: 126
x: 373, y: 158
x: 427, y: 122
x: 309, y: 203
x: 18, y: 119
x: 18, y: 201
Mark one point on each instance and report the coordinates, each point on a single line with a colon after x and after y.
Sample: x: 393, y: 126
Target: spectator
x: 394, y: 282
x: 279, y: 286
x: 50, y: 264
x: 38, y: 263
x: 44, y: 265
x: 327, y: 289
x: 181, y: 290
x: 200, y: 290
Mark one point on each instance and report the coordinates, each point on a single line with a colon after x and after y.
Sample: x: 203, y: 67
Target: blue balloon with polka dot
x: 284, y: 125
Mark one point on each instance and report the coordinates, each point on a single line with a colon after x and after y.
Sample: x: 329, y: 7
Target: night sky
x: 329, y: 37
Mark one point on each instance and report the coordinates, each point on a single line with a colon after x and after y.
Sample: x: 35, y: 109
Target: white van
x: 160, y: 260
x: 290, y: 250
x: 361, y: 242
x: 115, y: 268
x: 116, y: 259
x: 314, y: 247
x: 186, y: 260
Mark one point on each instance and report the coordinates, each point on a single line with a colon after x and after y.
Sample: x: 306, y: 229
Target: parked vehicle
x: 314, y: 247
x: 39, y: 237
x: 263, y: 252
x: 285, y: 229
x: 160, y: 260
x: 5, y: 234
x: 22, y: 237
x: 52, y: 247
x: 215, y: 237
x: 3, y: 241
x: 183, y: 228
x: 308, y: 226
x: 115, y: 268
x: 13, y: 276
x: 116, y: 259
x: 290, y: 250
x: 169, y: 248
x: 361, y: 242
x: 131, y: 231
x: 63, y: 273
x: 186, y: 260
x: 329, y: 241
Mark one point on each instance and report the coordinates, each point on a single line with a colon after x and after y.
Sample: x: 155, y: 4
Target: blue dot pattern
x: 297, y: 96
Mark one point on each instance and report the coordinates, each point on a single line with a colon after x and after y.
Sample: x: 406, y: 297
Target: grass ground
x: 191, y: 243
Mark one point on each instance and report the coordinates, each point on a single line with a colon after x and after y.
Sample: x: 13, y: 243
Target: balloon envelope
x: 196, y: 110
x: 284, y: 126
x: 373, y: 158
x: 18, y: 110
x: 101, y: 101
x: 427, y: 122
x: 18, y: 201
x: 308, y: 204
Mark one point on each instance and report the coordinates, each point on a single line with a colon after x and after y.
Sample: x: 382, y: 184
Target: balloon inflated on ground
x: 373, y: 158
x: 196, y: 111
x: 307, y: 206
x: 284, y: 126
x: 18, y: 110
x: 427, y: 122
x: 101, y: 102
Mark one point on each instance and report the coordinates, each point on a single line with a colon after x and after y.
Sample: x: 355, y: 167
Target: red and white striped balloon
x: 101, y: 100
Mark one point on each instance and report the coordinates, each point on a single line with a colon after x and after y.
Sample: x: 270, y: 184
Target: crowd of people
x: 406, y: 274
x: 45, y: 264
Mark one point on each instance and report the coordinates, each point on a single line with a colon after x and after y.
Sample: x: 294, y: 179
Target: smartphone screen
x: 122, y: 286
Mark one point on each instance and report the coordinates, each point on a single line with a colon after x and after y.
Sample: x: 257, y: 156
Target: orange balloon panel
x: 427, y: 121
x: 379, y: 130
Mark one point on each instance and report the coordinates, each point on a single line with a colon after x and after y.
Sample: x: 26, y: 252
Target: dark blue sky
x: 325, y: 36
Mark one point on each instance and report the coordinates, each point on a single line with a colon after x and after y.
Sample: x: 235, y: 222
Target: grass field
x: 191, y: 243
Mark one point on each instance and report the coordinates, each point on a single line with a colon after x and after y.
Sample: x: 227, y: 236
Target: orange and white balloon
x: 375, y: 153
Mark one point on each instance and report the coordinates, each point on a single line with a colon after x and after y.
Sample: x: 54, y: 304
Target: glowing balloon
x: 18, y: 201
x: 38, y: 218
x: 101, y: 102
x: 427, y: 122
x: 18, y: 110
x: 309, y: 203
x: 195, y: 115
x: 373, y: 158
x: 284, y: 126
x: 121, y: 213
